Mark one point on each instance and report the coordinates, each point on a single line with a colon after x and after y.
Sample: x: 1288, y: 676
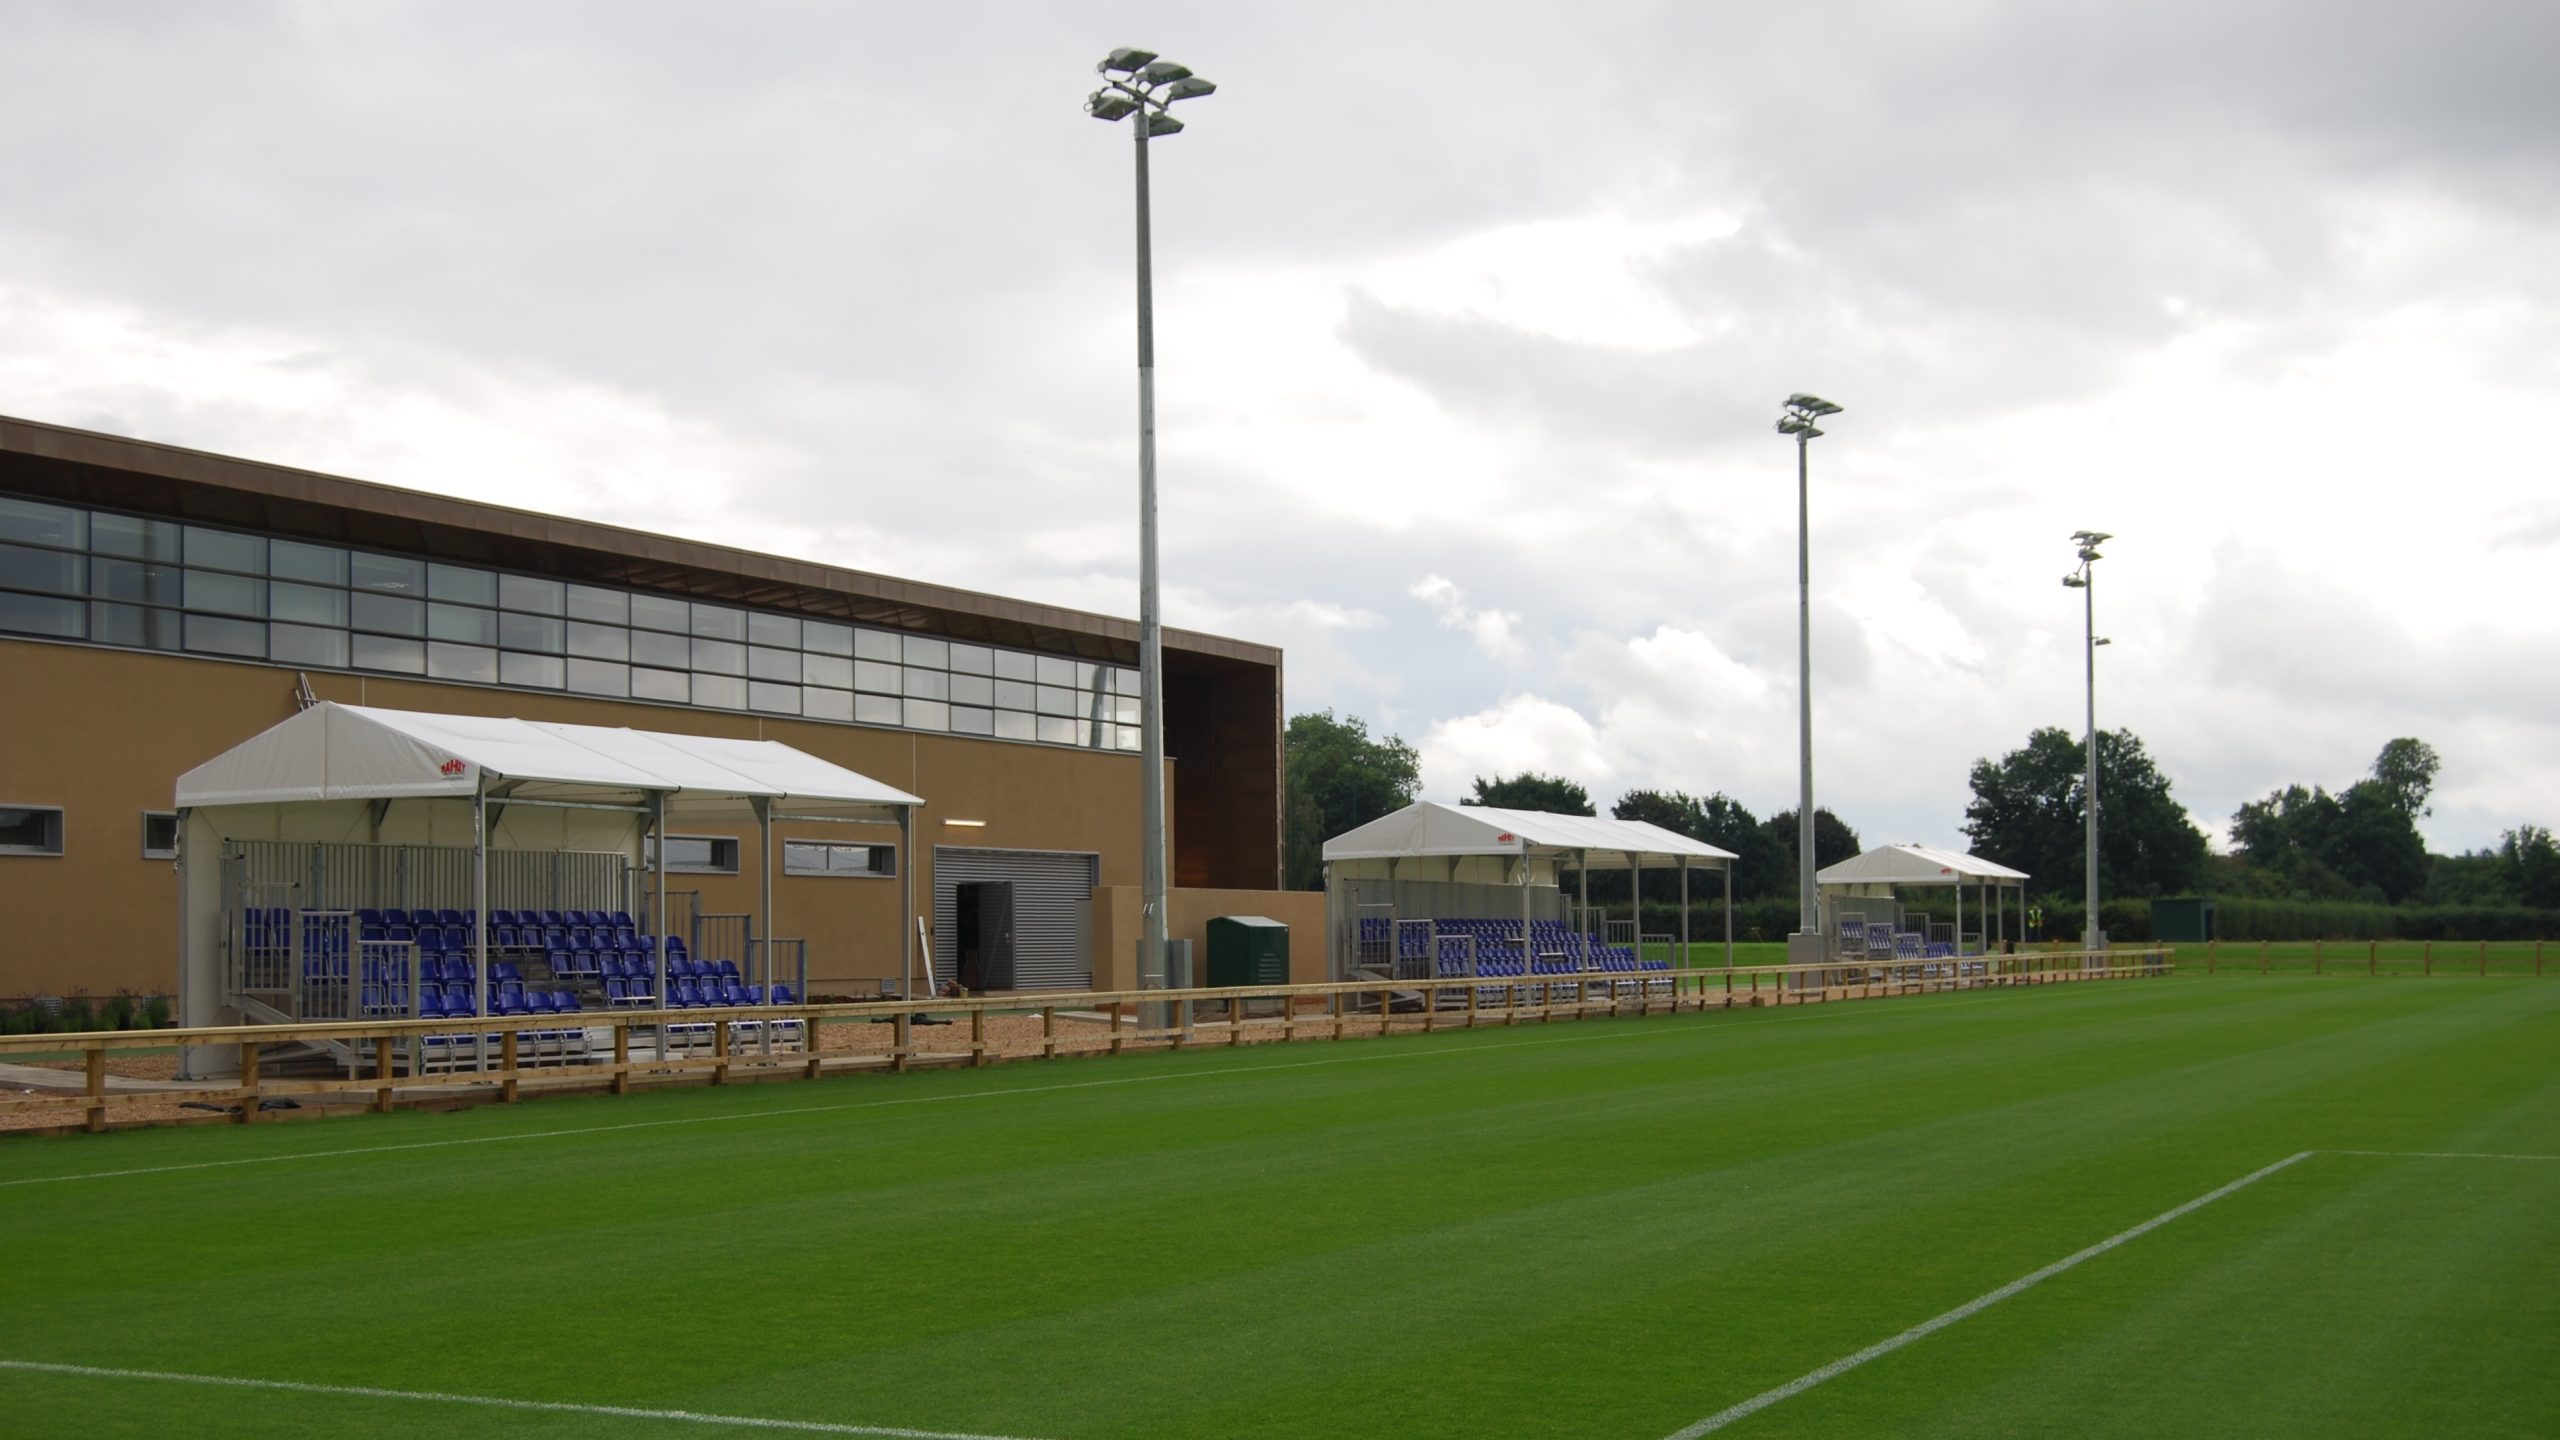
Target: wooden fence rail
x: 1328, y: 1011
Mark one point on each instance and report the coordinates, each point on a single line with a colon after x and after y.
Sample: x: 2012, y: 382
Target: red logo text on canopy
x: 456, y: 767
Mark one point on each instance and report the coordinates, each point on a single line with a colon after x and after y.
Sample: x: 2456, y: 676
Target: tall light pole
x: 1136, y: 83
x: 2085, y: 580
x: 1797, y: 420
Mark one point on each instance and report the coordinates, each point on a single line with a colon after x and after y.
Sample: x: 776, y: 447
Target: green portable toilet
x: 2181, y: 920
x: 1248, y: 950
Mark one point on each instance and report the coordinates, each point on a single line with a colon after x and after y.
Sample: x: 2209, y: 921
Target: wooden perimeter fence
x: 742, y: 1043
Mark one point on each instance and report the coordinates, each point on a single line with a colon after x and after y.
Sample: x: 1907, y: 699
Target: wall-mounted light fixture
x: 967, y: 824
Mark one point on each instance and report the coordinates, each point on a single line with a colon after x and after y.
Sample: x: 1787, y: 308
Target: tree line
x: 2356, y: 845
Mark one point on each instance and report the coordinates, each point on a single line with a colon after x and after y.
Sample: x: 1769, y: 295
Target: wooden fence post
x: 2319, y: 950
x: 507, y: 1066
x: 2262, y: 957
x: 978, y: 1037
x: 2429, y: 959
x: 622, y: 1056
x: 382, y: 1072
x: 902, y: 1029
x: 248, y: 1080
x: 96, y: 1089
x: 1048, y: 1032
x: 2484, y: 959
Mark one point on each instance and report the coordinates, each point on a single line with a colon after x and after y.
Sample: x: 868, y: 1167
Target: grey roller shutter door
x: 1052, y: 912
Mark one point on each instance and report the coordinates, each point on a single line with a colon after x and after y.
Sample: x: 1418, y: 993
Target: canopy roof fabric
x: 1915, y: 865
x: 1428, y: 827
x: 355, y: 752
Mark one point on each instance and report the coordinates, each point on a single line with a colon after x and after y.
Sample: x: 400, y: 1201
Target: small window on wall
x: 30, y: 830
x: 697, y: 855
x: 817, y: 857
x: 159, y: 835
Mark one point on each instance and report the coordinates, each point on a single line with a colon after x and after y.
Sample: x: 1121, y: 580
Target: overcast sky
x: 1472, y: 321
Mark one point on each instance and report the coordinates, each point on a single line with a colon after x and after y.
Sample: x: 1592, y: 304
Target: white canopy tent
x: 1879, y: 872
x: 312, y: 775
x: 1481, y: 845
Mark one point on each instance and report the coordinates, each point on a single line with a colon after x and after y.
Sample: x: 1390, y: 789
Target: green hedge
x: 83, y: 1012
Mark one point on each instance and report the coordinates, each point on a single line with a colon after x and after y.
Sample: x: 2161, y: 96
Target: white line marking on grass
x: 495, y: 1402
x: 1926, y: 1328
x: 1806, y: 1012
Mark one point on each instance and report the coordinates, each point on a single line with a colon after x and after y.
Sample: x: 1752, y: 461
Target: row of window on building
x: 113, y: 579
x: 37, y: 830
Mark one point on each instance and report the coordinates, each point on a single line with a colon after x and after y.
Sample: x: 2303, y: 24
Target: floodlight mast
x: 1137, y: 83
x: 1796, y: 419
x: 2084, y: 580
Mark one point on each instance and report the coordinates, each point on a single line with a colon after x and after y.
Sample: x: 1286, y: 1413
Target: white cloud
x: 1493, y: 631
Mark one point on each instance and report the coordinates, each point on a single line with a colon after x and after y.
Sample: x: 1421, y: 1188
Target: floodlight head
x: 1162, y: 123
x: 2102, y: 640
x: 2074, y: 582
x: 2091, y: 537
x: 1126, y: 59
x: 1791, y: 425
x: 1108, y: 105
x: 1813, y: 405
x: 1159, y: 72
x: 1190, y: 87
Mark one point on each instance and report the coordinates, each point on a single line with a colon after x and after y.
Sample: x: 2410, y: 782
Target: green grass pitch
x: 1595, y: 1229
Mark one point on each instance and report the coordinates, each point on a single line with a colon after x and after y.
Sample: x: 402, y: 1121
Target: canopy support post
x: 658, y: 873
x: 480, y: 911
x: 906, y: 899
x: 1582, y: 927
x: 1728, y: 914
x: 1683, y: 962
x: 1528, y: 950
x: 764, y: 874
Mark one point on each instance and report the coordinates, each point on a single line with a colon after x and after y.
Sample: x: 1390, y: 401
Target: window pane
x: 1010, y: 726
x: 599, y: 677
x: 1124, y: 682
x: 825, y: 638
x: 133, y: 625
x: 972, y: 659
x: 928, y: 684
x: 878, y: 709
x: 40, y: 524
x: 928, y: 715
x: 462, y: 625
x: 31, y: 830
x: 649, y: 647
x: 389, y: 614
x: 923, y: 651
x: 719, y: 622
x: 523, y: 592
x: 226, y: 637
x: 376, y: 652
x: 462, y: 662
x: 42, y: 615
x: 602, y: 607
x: 720, y: 691
x: 319, y: 564
x: 600, y: 642
x: 544, y: 672
x: 308, y: 604
x: 134, y: 582
x: 1054, y: 671
x: 1058, y: 732
x: 386, y: 572
x: 654, y: 612
x: 468, y: 587
x: 1055, y: 701
x: 875, y: 645
x: 225, y: 594
x: 968, y: 720
x: 973, y: 690
x: 1016, y: 695
x: 1013, y: 665
x: 532, y: 632
x: 719, y: 657
x: 303, y: 645
x: 781, y: 699
x: 826, y: 704
x: 134, y: 538
x: 225, y: 550
x: 782, y: 665
x: 826, y: 670
x: 1129, y: 737
x: 885, y: 679
x: 159, y: 835
x: 43, y: 569
x: 1124, y: 708
x: 781, y: 630
x: 667, y: 685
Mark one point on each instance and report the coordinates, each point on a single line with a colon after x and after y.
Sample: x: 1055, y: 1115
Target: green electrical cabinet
x: 1248, y: 950
x: 2181, y: 920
